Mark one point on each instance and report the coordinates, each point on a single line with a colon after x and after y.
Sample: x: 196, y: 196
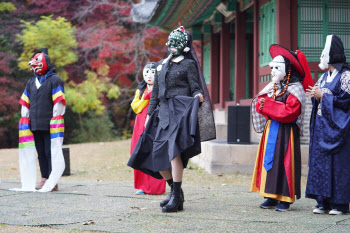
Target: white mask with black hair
x: 324, y: 59
x: 278, y: 69
x: 148, y: 75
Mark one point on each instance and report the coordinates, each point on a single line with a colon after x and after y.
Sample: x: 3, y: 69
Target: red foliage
x: 123, y: 80
x: 5, y: 59
x: 116, y: 41
x: 106, y: 35
x: 8, y: 98
x: 9, y: 95
x: 65, y: 8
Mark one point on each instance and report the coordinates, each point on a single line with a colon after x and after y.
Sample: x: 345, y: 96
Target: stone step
x: 220, y: 157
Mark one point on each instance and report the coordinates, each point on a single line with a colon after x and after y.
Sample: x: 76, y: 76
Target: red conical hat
x: 277, y: 49
x: 307, y: 81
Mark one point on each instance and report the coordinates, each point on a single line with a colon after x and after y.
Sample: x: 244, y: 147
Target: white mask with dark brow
x: 148, y: 75
x: 278, y: 67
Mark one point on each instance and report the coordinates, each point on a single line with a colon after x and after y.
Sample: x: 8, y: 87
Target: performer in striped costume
x: 42, y: 126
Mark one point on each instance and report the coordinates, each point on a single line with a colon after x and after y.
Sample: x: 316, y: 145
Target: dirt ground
x: 105, y: 161
x: 24, y: 229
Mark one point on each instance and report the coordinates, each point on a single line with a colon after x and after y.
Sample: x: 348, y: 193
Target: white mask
x: 148, y: 75
x: 278, y: 67
x: 324, y: 59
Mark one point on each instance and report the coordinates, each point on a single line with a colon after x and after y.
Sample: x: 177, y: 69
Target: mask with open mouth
x: 177, y: 41
x: 38, y: 63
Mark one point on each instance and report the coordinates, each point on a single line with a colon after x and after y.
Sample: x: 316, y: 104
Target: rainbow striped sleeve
x: 57, y: 127
x: 25, y: 99
x: 58, y: 95
x: 26, y: 137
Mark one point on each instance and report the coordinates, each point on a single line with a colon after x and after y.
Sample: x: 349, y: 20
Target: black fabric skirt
x: 157, y: 147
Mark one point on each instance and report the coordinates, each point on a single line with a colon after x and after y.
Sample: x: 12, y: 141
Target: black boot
x: 176, y: 201
x: 167, y: 199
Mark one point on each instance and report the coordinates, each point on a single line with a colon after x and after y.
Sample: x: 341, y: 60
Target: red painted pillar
x: 224, y: 64
x: 283, y: 23
x: 214, y: 67
x: 240, y: 56
x: 256, y: 75
x: 294, y: 24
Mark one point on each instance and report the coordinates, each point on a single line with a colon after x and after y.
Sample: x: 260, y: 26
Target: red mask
x: 38, y: 64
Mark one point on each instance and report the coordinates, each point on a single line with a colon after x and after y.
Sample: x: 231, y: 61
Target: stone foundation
x: 219, y: 157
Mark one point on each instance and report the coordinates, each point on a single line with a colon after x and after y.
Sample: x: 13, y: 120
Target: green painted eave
x: 190, y: 12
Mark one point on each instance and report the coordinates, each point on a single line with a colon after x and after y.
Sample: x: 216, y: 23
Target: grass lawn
x: 106, y: 161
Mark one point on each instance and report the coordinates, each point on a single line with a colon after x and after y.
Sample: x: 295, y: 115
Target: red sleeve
x: 259, y: 108
x: 284, y: 113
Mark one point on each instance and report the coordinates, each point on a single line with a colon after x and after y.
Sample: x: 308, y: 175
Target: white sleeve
x: 59, y: 109
x: 24, y: 111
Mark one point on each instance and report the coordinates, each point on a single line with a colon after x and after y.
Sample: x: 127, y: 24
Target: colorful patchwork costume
x: 41, y: 126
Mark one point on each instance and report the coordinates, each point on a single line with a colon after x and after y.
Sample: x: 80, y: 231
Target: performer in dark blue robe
x: 329, y: 157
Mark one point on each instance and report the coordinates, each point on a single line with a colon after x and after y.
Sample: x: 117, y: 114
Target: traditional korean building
x: 236, y: 36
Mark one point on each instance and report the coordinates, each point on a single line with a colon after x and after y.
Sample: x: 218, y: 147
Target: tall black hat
x: 337, y: 56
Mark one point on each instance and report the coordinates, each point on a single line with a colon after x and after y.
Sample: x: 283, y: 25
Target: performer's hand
x: 310, y: 91
x: 318, y: 93
x: 314, y: 92
x: 200, y: 96
x: 262, y: 102
x: 146, y: 120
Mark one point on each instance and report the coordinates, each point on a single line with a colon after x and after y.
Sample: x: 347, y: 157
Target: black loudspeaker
x: 66, y: 171
x: 238, y: 127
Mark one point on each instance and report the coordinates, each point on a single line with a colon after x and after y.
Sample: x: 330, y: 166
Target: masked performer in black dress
x: 179, y: 117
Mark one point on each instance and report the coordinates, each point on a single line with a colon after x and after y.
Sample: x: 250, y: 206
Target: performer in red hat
x: 278, y: 112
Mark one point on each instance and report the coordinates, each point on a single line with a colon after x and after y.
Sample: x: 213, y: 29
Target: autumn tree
x: 110, y: 51
x: 10, y: 77
x: 7, y: 7
x: 55, y: 34
x: 58, y: 36
x: 107, y: 36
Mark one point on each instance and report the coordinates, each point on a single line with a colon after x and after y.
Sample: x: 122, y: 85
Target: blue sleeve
x: 336, y: 116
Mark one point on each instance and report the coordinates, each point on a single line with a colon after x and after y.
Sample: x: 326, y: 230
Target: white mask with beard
x: 278, y: 69
x: 148, y: 75
x: 324, y: 59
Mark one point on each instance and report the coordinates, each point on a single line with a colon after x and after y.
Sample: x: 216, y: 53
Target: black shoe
x: 167, y: 199
x: 269, y: 204
x: 283, y: 206
x: 176, y: 202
